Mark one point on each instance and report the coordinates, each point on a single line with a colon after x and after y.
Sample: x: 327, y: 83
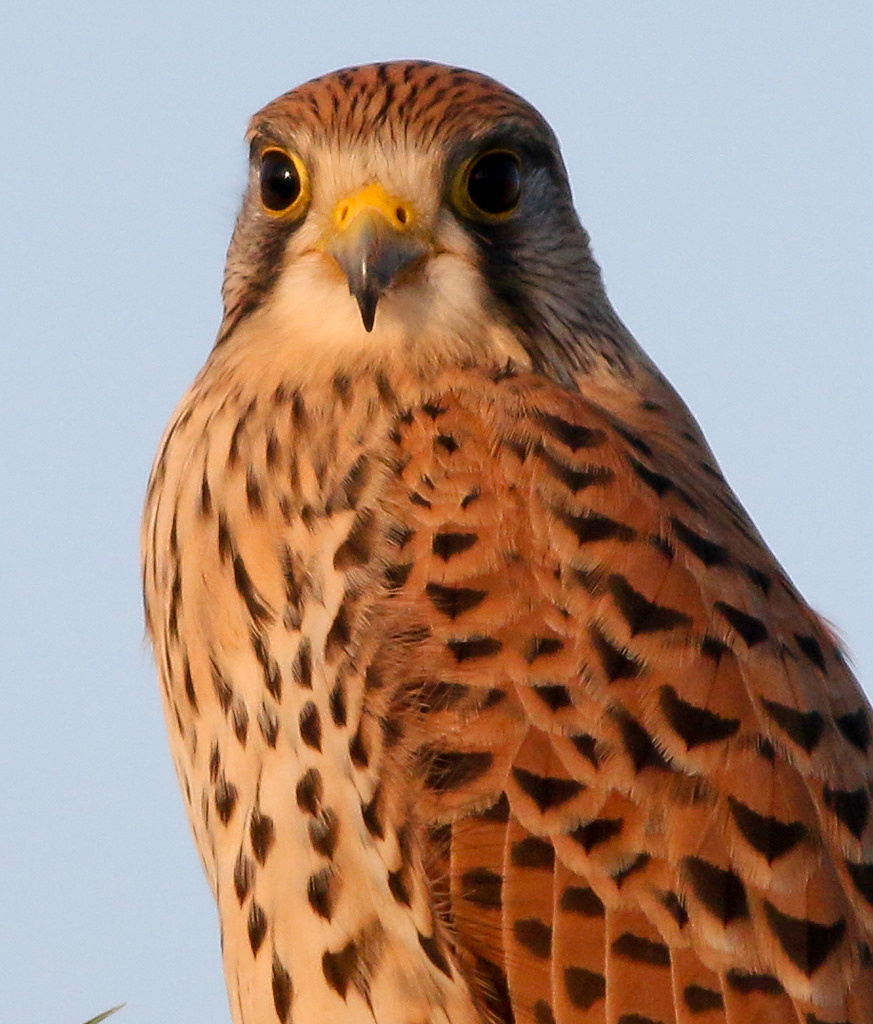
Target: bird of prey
x: 488, y: 701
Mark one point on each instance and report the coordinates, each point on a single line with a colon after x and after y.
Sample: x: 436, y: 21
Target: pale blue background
x: 722, y: 158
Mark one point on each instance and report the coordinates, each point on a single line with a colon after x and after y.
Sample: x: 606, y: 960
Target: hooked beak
x: 374, y: 240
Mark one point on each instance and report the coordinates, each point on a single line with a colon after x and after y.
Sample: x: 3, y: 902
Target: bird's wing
x: 641, y: 763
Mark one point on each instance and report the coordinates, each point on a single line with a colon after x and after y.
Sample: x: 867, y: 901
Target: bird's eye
x: 282, y: 180
x: 492, y: 184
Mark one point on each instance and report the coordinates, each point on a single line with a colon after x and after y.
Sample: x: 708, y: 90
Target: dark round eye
x: 280, y: 182
x: 494, y: 182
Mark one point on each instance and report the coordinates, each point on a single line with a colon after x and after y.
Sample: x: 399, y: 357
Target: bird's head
x: 410, y: 208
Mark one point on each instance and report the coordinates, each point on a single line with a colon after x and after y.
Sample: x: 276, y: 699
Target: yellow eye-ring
x: 489, y: 186
x: 283, y: 182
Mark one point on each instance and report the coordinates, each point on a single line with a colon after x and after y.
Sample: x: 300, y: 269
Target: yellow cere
x: 373, y: 198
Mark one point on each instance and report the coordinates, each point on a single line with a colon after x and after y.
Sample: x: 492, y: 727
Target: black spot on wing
x: 482, y: 887
x: 642, y: 615
x: 641, y: 950
x: 591, y: 527
x: 454, y: 601
x: 533, y: 852
x: 771, y: 837
x: 573, y: 435
x: 448, y: 544
x: 707, y: 551
x: 852, y: 807
x: 617, y: 662
x: 545, y: 791
x: 534, y: 935
x: 721, y: 891
x: 807, y: 944
x: 696, y: 726
x: 855, y: 727
x: 699, y: 999
x: 812, y: 649
x: 751, y: 629
x: 803, y: 727
x: 584, y: 988
x: 446, y: 770
x: 596, y: 832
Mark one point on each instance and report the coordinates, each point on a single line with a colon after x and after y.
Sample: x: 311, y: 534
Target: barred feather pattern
x: 479, y: 694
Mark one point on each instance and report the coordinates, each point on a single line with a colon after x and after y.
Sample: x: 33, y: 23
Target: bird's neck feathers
x: 308, y: 331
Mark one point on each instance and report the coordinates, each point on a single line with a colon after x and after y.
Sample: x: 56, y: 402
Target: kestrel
x: 488, y: 701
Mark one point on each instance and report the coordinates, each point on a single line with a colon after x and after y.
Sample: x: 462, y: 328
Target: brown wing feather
x: 682, y: 755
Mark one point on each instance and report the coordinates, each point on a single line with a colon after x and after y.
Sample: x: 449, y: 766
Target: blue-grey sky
x: 722, y: 158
